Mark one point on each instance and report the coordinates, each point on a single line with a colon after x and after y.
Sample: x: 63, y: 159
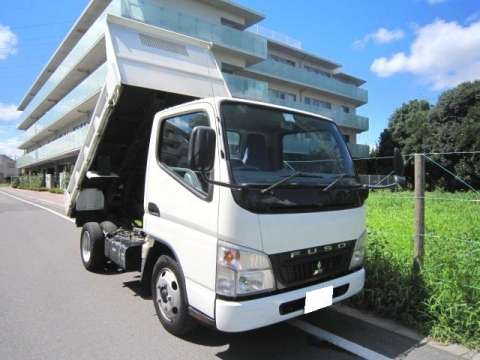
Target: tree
x: 409, y: 126
x: 407, y: 129
x: 386, y: 144
x: 455, y: 127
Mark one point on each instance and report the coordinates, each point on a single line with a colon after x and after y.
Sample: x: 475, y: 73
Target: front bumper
x: 236, y: 316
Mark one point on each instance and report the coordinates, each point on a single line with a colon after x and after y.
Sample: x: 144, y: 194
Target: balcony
x: 85, y: 57
x: 148, y: 11
x: 61, y: 147
x: 246, y: 88
x: 68, y: 109
x: 271, y: 68
x: 359, y: 150
x: 341, y: 118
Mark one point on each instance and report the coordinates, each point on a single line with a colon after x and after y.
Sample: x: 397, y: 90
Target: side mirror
x: 398, y: 163
x: 201, y: 150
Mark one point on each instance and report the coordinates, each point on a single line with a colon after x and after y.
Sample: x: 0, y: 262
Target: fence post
x: 419, y: 212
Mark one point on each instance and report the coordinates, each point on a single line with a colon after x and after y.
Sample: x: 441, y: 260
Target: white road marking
x: 337, y: 340
x: 39, y: 206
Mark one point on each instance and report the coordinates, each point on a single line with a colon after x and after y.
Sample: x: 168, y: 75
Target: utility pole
x: 419, y: 212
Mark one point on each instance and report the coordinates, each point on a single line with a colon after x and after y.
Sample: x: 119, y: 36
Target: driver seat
x: 256, y: 152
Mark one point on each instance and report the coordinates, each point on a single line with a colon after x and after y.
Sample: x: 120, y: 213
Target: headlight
x: 359, y: 251
x: 242, y: 271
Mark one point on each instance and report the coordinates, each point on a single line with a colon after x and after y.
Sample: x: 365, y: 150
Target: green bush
x: 56, y: 190
x: 444, y: 301
x: 15, y: 182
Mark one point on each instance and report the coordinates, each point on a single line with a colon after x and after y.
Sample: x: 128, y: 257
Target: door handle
x: 153, y: 209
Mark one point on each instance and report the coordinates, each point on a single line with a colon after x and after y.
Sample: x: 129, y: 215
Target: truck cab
x: 262, y: 225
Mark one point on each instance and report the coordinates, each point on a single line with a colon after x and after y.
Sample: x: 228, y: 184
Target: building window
x: 317, y: 71
x: 346, y: 109
x: 173, y: 148
x: 231, y: 24
x: 318, y: 103
x: 281, y: 95
x: 282, y: 60
x: 346, y: 138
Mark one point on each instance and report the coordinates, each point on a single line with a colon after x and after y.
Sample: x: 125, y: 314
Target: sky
x: 404, y: 49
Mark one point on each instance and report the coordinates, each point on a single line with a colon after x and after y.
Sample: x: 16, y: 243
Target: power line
x: 428, y: 153
x: 452, y: 153
x: 452, y: 174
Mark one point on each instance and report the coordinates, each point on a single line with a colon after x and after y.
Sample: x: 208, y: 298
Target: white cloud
x: 443, y: 54
x: 8, y: 112
x: 8, y: 42
x: 9, y: 147
x: 381, y: 36
x: 435, y: 2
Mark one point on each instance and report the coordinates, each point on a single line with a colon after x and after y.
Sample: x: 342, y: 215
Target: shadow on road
x: 282, y: 341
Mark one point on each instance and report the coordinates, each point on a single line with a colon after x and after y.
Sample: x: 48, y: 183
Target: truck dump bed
x: 149, y: 69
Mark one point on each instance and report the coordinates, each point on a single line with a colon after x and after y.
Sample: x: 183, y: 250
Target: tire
x: 92, y: 247
x: 108, y: 227
x: 170, y: 297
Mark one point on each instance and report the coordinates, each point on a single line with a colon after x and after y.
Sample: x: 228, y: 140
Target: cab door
x: 181, y: 208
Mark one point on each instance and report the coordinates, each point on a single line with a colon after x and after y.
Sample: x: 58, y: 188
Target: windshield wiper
x: 286, y: 178
x: 336, y: 180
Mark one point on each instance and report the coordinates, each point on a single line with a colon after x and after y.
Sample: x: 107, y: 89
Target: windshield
x: 266, y: 145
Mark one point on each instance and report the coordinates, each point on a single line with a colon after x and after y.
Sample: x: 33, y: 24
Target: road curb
x: 396, y: 328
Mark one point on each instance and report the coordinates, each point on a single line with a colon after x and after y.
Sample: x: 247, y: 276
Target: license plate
x: 318, y: 299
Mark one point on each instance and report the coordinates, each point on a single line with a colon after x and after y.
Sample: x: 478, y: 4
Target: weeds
x: 445, y: 302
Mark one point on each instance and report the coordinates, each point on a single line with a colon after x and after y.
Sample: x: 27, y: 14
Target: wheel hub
x: 168, y: 294
x: 86, y: 247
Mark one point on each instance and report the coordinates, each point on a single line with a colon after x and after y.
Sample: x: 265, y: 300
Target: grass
x: 444, y: 301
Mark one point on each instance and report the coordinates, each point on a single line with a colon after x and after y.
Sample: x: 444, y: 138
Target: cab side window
x: 173, y: 148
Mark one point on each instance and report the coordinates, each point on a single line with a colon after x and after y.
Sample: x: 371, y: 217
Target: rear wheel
x: 92, y: 247
x: 108, y: 227
x: 169, y: 297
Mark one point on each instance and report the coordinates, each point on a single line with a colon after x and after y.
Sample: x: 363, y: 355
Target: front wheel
x: 170, y: 298
x: 92, y: 247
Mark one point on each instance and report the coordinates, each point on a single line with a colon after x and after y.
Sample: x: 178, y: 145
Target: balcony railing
x: 246, y: 88
x: 306, y: 78
x: 359, y: 150
x: 153, y: 13
x: 84, y: 91
x: 341, y: 118
x: 62, y: 146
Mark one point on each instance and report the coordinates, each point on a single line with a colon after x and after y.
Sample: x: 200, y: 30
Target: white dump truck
x: 236, y: 213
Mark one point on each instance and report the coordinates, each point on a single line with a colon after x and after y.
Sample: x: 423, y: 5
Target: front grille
x: 311, y: 265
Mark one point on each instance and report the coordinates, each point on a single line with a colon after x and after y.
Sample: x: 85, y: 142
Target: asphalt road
x: 52, y: 308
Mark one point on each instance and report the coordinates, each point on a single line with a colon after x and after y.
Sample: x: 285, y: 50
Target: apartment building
x: 7, y: 167
x: 58, y: 106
